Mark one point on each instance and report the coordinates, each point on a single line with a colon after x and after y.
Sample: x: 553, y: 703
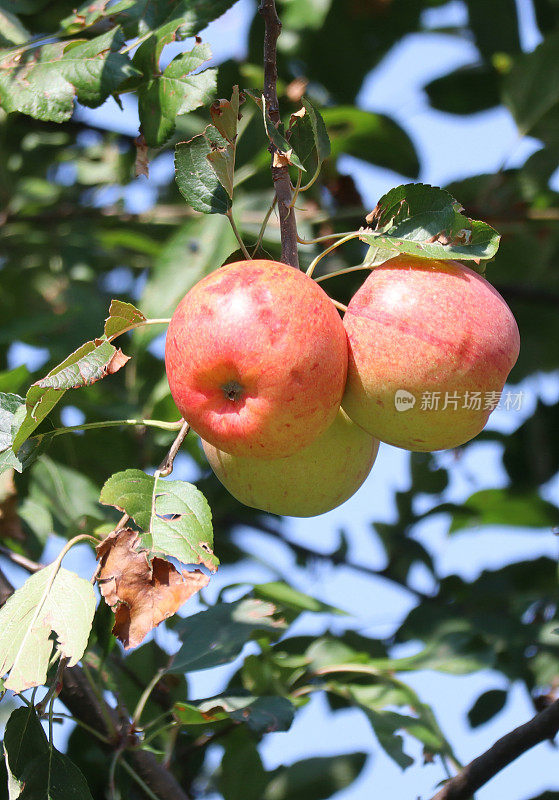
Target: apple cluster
x: 290, y: 402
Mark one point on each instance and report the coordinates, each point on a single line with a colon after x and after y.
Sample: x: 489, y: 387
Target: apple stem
x: 326, y: 238
x: 110, y: 423
x: 264, y: 226
x: 246, y: 254
x: 296, y: 191
x: 339, y: 305
x: 344, y: 271
x: 166, y: 466
x: 315, y: 261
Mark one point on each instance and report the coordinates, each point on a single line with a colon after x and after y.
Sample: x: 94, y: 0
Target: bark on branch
x: 478, y: 772
x: 280, y: 175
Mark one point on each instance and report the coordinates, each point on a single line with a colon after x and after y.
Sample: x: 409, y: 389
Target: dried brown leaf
x: 142, y: 161
x: 142, y: 594
x: 282, y: 159
x: 10, y: 523
x: 116, y: 362
x: 372, y: 217
x: 297, y: 115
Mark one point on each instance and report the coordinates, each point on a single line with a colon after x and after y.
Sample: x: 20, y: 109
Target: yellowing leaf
x: 141, y: 593
x: 53, y: 599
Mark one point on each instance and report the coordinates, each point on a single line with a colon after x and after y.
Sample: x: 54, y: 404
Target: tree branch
x: 280, y: 175
x: 478, y: 772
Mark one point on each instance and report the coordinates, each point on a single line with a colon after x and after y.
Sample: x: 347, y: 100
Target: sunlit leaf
x: 163, y: 95
x: 52, y: 599
x: 122, y: 316
x: 45, y: 85
x: 174, y: 516
x: 426, y: 221
x: 89, y: 363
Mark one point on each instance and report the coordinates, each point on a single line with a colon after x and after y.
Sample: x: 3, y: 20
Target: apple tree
x: 239, y: 161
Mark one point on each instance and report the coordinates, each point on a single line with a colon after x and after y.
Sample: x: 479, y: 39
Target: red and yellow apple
x: 318, y: 478
x: 256, y: 358
x: 431, y: 344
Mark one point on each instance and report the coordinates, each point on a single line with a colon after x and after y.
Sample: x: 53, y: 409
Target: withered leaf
x: 141, y: 166
x: 10, y: 523
x: 141, y: 594
x: 117, y: 361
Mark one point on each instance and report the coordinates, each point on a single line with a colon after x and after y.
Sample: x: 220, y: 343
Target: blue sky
x: 450, y: 148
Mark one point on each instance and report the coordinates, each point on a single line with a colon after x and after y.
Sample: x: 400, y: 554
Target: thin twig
x: 478, y: 772
x: 20, y: 560
x: 56, y: 686
x: 166, y: 466
x: 238, y: 236
x: 264, y: 226
x: 280, y: 174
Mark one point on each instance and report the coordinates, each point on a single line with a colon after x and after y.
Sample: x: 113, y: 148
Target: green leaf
x: 218, y: 635
x: 315, y: 778
x: 10, y: 405
x: 121, y: 317
x: 13, y: 380
x: 36, y: 770
x: 225, y: 116
x: 242, y: 775
x: 385, y: 724
x: 89, y: 363
x: 302, y: 16
x: 495, y: 26
x: 465, y: 91
x: 309, y: 137
x: 196, y: 178
x: 52, y: 599
x: 44, y: 83
x: 371, y: 137
x: 373, y: 700
x: 487, y: 706
x: 174, y: 516
x: 532, y: 86
x: 140, y: 16
x: 12, y: 32
x: 83, y: 16
x: 284, y: 148
x: 164, y: 95
x: 504, y: 507
x: 425, y: 221
x: 426, y: 476
x: 285, y: 595
x: 260, y: 714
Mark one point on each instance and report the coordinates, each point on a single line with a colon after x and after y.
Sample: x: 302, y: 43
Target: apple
x: 431, y: 344
x: 256, y: 358
x: 314, y: 480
